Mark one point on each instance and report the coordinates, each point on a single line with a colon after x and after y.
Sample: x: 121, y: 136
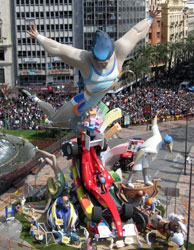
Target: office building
x: 71, y: 22
x: 6, y: 46
x: 115, y: 17
x: 54, y: 19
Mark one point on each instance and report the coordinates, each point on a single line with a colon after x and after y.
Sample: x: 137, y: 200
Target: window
x: 2, y: 76
x: 2, y: 55
x: 158, y: 24
x: 158, y: 35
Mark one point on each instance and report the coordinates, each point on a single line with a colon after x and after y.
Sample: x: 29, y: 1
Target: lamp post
x: 189, y: 206
x: 186, y: 137
x: 186, y: 132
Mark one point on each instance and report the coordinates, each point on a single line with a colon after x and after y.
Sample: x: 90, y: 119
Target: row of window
x: 37, y: 53
x: 99, y: 22
x: 41, y: 2
x: 42, y: 66
x: 158, y: 35
x: 95, y: 22
x: 52, y: 27
x: 26, y: 80
x: 54, y: 14
x: 91, y: 3
x: 53, y: 65
x: 28, y: 41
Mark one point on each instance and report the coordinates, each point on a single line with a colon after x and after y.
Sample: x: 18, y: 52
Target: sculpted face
x: 101, y: 64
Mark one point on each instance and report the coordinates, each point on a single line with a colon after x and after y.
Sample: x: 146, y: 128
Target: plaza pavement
x: 182, y: 184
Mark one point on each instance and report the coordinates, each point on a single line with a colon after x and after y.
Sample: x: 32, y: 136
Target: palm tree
x: 172, y: 46
x: 139, y: 65
x: 189, y: 47
x: 145, y: 51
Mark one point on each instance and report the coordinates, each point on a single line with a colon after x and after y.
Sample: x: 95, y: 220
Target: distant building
x: 115, y: 17
x: 71, y: 22
x: 54, y: 19
x: 173, y: 20
x: 156, y: 28
x: 190, y: 16
x: 6, y: 46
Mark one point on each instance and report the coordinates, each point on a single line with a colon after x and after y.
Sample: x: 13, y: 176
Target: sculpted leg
x: 147, y: 182
x: 62, y: 114
x: 131, y: 175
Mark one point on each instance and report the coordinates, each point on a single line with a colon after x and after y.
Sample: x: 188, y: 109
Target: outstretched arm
x: 126, y: 43
x: 154, y: 122
x: 140, y: 153
x: 70, y: 55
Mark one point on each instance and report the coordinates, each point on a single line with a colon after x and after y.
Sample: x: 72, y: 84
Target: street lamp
x: 186, y: 137
x: 189, y: 205
x: 186, y: 130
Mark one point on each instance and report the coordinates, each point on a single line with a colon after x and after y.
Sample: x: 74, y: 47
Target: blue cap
x: 167, y: 139
x: 191, y: 88
x: 103, y: 46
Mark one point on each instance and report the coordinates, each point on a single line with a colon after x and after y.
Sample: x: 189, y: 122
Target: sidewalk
x: 184, y: 180
x: 182, y: 185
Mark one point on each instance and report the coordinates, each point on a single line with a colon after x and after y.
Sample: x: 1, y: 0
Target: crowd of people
x: 173, y: 102
x: 21, y: 113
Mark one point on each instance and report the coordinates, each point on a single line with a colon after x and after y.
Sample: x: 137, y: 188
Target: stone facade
x: 173, y: 20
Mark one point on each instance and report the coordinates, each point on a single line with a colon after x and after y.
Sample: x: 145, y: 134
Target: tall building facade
x: 173, y: 20
x: 71, y: 22
x: 155, y: 31
x: 115, y: 17
x: 6, y: 44
x: 190, y: 16
x: 54, y: 19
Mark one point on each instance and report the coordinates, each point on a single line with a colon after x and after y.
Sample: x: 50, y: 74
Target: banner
x: 126, y: 120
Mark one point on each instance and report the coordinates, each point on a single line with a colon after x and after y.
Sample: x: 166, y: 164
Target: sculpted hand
x: 131, y: 164
x: 158, y: 112
x: 33, y: 31
x: 154, y: 12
